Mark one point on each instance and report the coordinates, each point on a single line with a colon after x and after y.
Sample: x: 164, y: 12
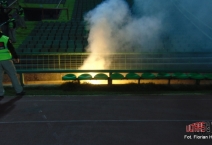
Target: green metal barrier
x: 117, y: 75
x: 178, y: 64
x: 186, y: 62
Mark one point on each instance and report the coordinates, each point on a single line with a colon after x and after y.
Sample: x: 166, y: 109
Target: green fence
x: 197, y: 62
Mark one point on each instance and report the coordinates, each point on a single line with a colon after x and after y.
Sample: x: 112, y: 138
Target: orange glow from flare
x: 94, y: 62
x: 94, y: 81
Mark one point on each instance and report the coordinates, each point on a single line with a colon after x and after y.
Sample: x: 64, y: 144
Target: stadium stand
x: 56, y: 32
x: 60, y: 31
x: 75, y: 30
x: 64, y: 43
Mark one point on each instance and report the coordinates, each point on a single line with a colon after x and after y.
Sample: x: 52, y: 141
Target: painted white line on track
x: 89, y: 100
x: 98, y: 121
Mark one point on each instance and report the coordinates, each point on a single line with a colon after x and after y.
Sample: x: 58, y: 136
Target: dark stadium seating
x: 59, y: 34
x: 83, y: 6
x: 75, y: 30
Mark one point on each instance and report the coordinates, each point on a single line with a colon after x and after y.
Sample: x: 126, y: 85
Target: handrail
x: 115, y: 53
x: 13, y: 3
x: 108, y: 70
x: 193, y: 22
x: 58, y: 4
x: 141, y: 61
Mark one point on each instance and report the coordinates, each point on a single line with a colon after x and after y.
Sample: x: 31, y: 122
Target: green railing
x: 120, y: 63
x: 201, y: 62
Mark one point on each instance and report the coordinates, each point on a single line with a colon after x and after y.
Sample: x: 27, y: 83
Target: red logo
x: 198, y: 127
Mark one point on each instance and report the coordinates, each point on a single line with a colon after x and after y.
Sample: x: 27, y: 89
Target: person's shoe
x: 20, y: 94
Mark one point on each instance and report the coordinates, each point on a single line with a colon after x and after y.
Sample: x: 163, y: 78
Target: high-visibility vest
x: 4, y: 51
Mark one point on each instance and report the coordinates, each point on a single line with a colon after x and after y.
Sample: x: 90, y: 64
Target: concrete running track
x: 104, y: 119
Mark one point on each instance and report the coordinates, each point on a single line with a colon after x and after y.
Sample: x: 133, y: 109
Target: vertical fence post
x: 67, y: 14
x: 59, y: 60
x: 109, y: 79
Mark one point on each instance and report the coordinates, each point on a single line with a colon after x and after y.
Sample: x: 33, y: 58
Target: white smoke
x: 113, y: 28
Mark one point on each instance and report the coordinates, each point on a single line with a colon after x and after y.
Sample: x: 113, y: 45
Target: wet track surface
x: 104, y: 120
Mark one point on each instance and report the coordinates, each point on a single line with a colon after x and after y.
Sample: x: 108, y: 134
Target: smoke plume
x: 115, y: 29
x: 146, y: 26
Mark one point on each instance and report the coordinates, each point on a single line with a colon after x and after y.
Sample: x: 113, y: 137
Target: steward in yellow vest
x: 7, y: 50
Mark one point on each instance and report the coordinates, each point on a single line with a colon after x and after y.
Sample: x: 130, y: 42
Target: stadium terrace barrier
x: 139, y: 66
x: 117, y: 75
x: 134, y: 75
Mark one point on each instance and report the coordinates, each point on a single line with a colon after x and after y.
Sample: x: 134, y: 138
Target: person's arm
x: 12, y: 51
